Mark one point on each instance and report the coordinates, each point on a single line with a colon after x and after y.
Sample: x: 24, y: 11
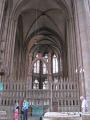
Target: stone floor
x: 7, y: 114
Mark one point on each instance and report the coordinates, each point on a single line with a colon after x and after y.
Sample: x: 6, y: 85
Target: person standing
x: 21, y: 110
x: 16, y: 111
x: 25, y: 109
x: 16, y: 114
x: 84, y: 105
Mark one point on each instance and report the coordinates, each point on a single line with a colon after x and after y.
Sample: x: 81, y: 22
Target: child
x: 16, y: 114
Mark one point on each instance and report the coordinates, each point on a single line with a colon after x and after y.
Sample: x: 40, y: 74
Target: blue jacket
x: 25, y: 105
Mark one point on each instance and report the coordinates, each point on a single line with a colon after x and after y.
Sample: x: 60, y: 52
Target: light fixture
x: 79, y: 70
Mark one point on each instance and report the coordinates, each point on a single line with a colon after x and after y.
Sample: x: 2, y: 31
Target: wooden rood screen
x: 62, y: 96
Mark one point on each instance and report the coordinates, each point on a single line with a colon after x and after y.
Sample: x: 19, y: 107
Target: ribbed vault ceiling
x: 38, y: 15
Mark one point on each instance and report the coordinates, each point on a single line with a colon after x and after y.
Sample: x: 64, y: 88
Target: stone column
x: 86, y: 49
x: 49, y: 67
x: 83, y: 23
x: 2, y: 42
x: 2, y: 4
x: 50, y: 78
x: 71, y: 50
x: 11, y: 45
x: 29, y: 76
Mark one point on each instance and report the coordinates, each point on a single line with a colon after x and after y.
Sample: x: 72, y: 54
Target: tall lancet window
x: 44, y: 68
x: 45, y: 57
x: 40, y: 72
x: 37, y: 66
x: 55, y: 64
